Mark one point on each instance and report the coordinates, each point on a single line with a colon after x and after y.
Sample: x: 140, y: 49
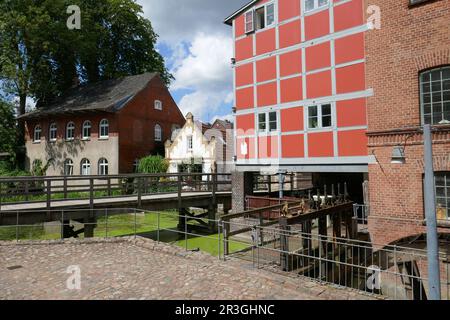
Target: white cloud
x: 201, y: 46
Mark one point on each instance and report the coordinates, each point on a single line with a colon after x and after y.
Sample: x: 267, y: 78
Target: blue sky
x: 197, y: 47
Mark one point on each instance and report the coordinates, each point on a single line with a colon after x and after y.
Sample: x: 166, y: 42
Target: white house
x: 201, y: 148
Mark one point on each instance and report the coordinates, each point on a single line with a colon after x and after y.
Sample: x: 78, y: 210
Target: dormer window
x: 158, y: 105
x: 260, y: 18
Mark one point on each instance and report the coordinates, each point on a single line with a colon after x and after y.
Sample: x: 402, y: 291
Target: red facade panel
x: 318, y: 84
x: 244, y: 75
x: 348, y: 15
x: 291, y: 63
x: 320, y: 144
x: 244, y: 48
x: 267, y: 94
x: 352, y: 143
x: 292, y: 119
x: 288, y: 9
x: 245, y: 148
x: 349, y: 48
x: 239, y: 26
x: 317, y: 25
x: 267, y: 147
x: 350, y: 78
x: 290, y: 34
x: 291, y: 89
x: 351, y: 113
x: 266, y: 69
x: 244, y: 98
x: 293, y: 146
x: 245, y: 124
x: 318, y: 57
x: 265, y: 41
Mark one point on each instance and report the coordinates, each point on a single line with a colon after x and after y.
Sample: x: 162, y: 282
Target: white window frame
x: 37, y: 133
x: 53, y: 132
x: 430, y: 93
x: 68, y: 167
x: 85, y: 167
x: 250, y: 13
x: 316, y: 6
x: 103, y: 167
x: 158, y: 105
x: 70, y: 127
x: 87, y: 125
x: 267, y: 122
x: 445, y: 198
x: 253, y: 15
x: 103, y: 125
x: 158, y: 133
x: 320, y: 116
x: 190, y: 143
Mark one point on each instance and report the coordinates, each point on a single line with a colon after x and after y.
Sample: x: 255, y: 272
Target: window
x: 249, y: 23
x: 68, y: 167
x: 311, y: 5
x: 104, y: 129
x: 442, y: 184
x: 268, y: 122
x: 260, y: 18
x: 158, y: 133
x: 435, y: 96
x: 85, y: 167
x: 103, y: 167
x: 70, y: 131
x: 37, y: 133
x: 53, y: 132
x: 158, y: 105
x: 87, y: 130
x: 319, y: 116
x: 190, y: 143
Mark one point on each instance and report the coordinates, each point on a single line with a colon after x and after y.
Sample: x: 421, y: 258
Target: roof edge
x: 228, y: 19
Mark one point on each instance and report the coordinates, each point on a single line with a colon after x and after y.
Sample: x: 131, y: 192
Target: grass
x: 124, y: 225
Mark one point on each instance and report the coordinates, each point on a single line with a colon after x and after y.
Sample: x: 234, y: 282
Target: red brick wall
x: 137, y: 122
x: 410, y: 40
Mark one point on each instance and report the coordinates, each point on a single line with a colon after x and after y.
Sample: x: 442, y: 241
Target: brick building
x: 102, y: 128
x: 317, y: 90
x: 408, y: 68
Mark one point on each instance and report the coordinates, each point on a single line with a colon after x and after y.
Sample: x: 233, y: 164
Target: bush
x: 153, y: 164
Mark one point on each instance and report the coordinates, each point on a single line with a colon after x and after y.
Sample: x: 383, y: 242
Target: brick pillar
x: 242, y: 185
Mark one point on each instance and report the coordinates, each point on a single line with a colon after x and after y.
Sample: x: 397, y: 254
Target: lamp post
x: 430, y: 215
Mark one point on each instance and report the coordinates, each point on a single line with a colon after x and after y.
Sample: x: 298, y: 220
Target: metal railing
x: 19, y: 190
x: 396, y: 272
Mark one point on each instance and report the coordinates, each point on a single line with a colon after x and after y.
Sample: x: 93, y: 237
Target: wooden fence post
x: 139, y: 189
x: 91, y: 193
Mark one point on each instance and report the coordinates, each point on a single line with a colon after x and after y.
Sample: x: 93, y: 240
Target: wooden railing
x: 18, y: 190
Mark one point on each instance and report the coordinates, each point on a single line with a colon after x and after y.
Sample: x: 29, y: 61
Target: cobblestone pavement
x: 142, y: 269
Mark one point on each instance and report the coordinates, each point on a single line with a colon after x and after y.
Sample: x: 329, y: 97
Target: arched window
x: 53, y: 132
x: 85, y: 167
x: 435, y: 96
x: 70, y: 131
x: 37, y: 133
x: 87, y: 126
x: 104, y: 129
x: 68, y: 167
x: 158, y: 133
x: 158, y: 105
x: 103, y: 167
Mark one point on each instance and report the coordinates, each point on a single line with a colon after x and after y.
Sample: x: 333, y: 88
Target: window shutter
x: 249, y: 21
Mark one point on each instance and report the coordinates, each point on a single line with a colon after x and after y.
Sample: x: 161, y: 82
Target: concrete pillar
x: 242, y: 186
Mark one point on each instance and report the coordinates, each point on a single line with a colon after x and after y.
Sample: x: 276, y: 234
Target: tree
x: 153, y: 164
x: 8, y: 132
x: 41, y: 58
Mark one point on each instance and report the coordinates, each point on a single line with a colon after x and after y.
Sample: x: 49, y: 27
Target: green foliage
x: 8, y: 132
x: 153, y: 164
x: 39, y: 169
x: 40, y: 57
